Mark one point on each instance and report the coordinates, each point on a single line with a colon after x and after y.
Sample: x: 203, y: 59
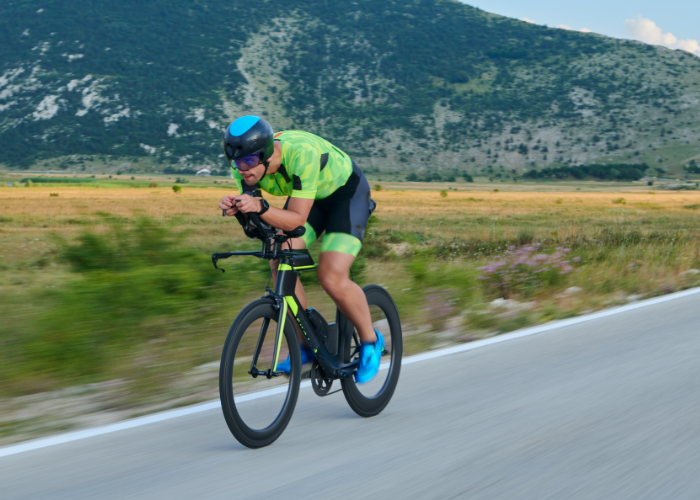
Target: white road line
x: 212, y: 405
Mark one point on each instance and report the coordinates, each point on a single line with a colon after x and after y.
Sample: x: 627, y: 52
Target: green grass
x: 101, y: 293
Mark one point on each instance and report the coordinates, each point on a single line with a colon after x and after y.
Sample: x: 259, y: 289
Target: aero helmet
x: 249, y: 135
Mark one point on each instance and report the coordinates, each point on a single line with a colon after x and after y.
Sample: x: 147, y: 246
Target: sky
x: 673, y: 23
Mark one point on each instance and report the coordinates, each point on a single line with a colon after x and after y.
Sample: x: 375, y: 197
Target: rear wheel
x: 371, y: 398
x: 258, y: 409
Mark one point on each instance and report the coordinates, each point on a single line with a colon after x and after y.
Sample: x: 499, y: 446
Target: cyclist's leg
x: 333, y: 274
x: 348, y: 213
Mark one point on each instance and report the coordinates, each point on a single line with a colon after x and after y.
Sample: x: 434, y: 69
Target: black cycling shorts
x: 343, y: 216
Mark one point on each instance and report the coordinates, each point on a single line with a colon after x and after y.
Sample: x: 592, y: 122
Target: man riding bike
x: 326, y: 191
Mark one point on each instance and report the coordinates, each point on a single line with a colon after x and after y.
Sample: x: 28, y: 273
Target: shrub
x: 620, y: 201
x: 177, y: 188
x: 153, y: 185
x: 377, y: 187
x: 443, y: 193
x: 126, y: 281
x: 522, y: 271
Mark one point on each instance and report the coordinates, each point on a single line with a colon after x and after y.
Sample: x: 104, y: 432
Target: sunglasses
x: 247, y: 162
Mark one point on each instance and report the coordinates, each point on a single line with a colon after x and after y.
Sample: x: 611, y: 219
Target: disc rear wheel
x: 371, y: 398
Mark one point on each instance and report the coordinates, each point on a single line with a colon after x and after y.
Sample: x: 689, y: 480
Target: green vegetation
x: 692, y: 167
x: 118, y: 300
x: 610, y: 172
x: 88, y: 84
x: 57, y: 180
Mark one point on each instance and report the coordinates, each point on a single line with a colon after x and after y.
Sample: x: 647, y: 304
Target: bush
x: 522, y: 271
x: 153, y: 185
x: 177, y: 188
x: 128, y: 281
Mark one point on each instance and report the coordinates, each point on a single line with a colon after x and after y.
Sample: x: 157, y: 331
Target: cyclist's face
x: 253, y: 176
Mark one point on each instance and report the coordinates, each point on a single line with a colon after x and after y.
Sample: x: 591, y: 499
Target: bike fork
x: 282, y: 306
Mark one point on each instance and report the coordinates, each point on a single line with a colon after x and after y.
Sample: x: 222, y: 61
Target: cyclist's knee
x: 331, y: 280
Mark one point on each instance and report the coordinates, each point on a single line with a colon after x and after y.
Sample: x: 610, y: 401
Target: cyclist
x: 326, y: 191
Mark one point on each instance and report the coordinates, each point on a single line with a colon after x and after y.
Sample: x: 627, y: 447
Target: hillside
x: 409, y: 85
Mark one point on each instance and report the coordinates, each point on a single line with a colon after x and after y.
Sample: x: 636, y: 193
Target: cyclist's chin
x: 249, y: 179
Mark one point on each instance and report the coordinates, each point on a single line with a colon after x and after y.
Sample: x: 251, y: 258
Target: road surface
x: 609, y: 408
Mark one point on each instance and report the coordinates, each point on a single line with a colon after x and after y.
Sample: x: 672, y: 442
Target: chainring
x: 319, y: 382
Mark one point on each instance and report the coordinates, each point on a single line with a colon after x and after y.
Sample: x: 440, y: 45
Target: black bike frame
x: 291, y: 263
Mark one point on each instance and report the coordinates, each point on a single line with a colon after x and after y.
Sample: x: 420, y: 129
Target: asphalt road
x: 606, y: 409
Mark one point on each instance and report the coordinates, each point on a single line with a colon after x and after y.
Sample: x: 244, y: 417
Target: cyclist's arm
x: 287, y: 220
x: 303, y: 168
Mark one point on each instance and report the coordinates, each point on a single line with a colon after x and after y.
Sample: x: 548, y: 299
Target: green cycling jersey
x: 311, y: 168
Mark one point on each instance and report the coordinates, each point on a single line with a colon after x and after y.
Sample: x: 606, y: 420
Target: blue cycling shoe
x: 370, y: 358
x: 307, y: 356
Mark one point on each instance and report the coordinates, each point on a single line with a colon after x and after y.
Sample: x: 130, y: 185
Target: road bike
x: 258, y: 400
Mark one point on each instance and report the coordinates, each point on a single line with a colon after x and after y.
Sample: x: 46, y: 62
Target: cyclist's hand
x: 228, y: 204
x: 246, y: 204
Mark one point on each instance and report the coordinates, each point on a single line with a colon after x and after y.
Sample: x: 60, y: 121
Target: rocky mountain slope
x: 416, y: 85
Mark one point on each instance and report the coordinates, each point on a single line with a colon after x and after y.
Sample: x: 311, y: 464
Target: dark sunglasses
x: 247, y: 162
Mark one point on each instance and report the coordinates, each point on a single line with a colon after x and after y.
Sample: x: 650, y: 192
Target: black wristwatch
x: 265, y: 206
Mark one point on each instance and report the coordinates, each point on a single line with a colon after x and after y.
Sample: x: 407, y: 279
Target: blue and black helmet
x: 249, y: 135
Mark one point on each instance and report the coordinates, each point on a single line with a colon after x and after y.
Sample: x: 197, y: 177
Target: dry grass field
x: 86, y: 302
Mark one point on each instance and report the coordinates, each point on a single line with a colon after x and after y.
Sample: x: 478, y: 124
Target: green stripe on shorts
x: 341, y: 242
x: 309, y: 236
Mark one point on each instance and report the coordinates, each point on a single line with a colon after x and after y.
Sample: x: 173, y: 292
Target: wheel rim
x: 258, y: 400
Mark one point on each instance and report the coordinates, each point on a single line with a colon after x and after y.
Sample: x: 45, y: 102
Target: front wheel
x: 368, y: 400
x: 258, y: 409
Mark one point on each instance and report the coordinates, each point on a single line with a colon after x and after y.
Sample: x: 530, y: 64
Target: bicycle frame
x: 287, y: 276
x: 291, y: 263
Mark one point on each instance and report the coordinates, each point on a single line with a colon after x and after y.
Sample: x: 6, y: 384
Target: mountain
x: 410, y: 85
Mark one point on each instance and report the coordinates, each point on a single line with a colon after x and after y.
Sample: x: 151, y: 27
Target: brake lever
x: 214, y: 260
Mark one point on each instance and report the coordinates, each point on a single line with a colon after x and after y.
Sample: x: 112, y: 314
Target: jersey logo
x: 278, y: 134
x: 297, y: 183
x: 324, y: 160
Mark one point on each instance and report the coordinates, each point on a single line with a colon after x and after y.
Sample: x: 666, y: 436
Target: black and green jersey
x: 312, y: 168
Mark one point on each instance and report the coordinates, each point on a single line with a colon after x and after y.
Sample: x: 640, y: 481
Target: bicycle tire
x: 246, y: 435
x: 360, y: 403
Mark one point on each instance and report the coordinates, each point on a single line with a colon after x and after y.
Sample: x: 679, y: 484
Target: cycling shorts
x: 343, y: 215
